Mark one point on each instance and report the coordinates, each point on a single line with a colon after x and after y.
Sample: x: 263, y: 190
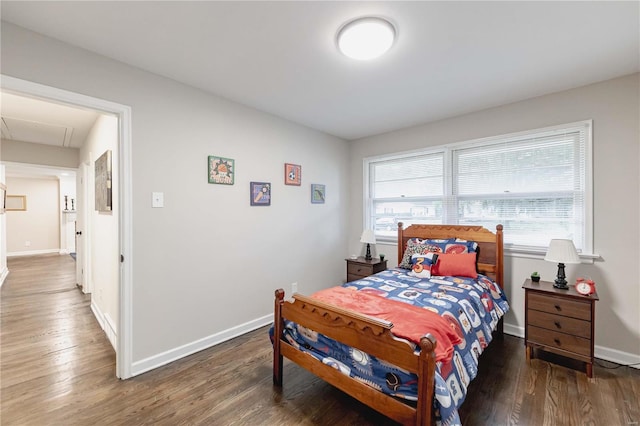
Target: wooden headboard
x: 490, y: 247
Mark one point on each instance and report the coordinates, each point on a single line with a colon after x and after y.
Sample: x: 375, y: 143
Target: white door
x: 81, y: 228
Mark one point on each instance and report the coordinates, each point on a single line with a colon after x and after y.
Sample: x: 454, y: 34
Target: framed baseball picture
x: 260, y: 193
x: 292, y: 174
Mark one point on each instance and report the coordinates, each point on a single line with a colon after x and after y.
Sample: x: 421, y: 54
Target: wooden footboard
x: 370, y: 335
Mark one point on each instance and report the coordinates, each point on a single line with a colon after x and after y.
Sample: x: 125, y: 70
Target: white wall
x: 36, y: 229
x: 207, y: 262
x: 614, y: 107
x: 103, y: 228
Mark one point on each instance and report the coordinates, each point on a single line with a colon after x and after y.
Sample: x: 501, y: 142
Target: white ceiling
x: 31, y: 120
x: 450, y: 58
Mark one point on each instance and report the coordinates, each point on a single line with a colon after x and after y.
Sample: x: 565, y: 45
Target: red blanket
x: 409, y: 322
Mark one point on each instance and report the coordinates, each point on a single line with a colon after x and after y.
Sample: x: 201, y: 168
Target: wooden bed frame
x: 375, y: 336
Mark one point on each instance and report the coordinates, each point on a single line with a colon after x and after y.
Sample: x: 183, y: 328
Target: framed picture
x: 16, y: 203
x: 221, y: 170
x: 3, y: 197
x: 292, y: 174
x: 103, y: 182
x: 317, y: 193
x: 260, y: 193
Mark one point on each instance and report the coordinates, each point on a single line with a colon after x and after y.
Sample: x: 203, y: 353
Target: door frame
x: 124, y: 355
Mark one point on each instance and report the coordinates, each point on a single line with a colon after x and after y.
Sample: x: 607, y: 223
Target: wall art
x: 103, y: 182
x: 317, y: 193
x: 221, y: 170
x: 16, y: 203
x: 3, y: 197
x: 260, y: 193
x: 292, y: 174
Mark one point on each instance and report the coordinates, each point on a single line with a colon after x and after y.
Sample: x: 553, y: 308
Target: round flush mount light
x: 366, y: 38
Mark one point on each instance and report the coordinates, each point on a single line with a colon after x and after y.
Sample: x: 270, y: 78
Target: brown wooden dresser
x: 360, y: 267
x: 559, y: 321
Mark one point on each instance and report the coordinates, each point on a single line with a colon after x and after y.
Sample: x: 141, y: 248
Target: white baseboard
x: 97, y: 313
x: 3, y: 275
x: 514, y: 330
x: 105, y: 323
x: 600, y: 352
x: 32, y: 252
x: 171, y: 355
x: 110, y: 330
x: 617, y: 356
x: 64, y: 251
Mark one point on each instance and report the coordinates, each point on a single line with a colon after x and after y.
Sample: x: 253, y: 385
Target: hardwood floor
x: 57, y: 368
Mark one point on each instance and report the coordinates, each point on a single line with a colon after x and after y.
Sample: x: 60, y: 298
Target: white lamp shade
x: 368, y: 237
x: 562, y: 251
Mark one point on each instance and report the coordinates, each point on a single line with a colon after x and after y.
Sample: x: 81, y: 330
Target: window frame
x: 584, y: 126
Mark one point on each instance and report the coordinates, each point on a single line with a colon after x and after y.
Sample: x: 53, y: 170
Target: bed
x: 374, y: 338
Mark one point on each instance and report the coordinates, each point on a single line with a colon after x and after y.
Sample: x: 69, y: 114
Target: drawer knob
x: 557, y: 341
x: 558, y: 307
x: 557, y: 324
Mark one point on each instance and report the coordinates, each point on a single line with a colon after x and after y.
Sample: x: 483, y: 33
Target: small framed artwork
x: 16, y: 203
x: 3, y: 197
x: 317, y: 193
x: 292, y: 174
x: 103, y: 183
x: 260, y: 193
x: 221, y: 170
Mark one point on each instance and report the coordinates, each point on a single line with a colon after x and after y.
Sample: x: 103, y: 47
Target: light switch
x: 157, y: 199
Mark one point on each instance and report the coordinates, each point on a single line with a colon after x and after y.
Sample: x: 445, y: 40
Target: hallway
x: 50, y: 339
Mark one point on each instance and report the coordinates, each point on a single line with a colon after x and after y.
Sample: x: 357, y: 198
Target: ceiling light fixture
x: 366, y: 38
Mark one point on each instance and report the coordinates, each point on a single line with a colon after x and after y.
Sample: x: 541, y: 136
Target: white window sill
x: 539, y: 253
x: 522, y: 252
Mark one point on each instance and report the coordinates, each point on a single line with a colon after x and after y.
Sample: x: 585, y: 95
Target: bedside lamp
x: 368, y: 237
x: 562, y: 251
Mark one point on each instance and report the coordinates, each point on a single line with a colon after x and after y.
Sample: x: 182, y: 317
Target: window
x: 536, y: 183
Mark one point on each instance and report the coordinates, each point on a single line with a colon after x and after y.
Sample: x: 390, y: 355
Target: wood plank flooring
x: 57, y: 368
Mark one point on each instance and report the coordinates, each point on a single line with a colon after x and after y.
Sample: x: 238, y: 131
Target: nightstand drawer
x: 352, y: 277
x: 362, y: 270
x: 561, y: 324
x: 562, y: 341
x: 555, y: 305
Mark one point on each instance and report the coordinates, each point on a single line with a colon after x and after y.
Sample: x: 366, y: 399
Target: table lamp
x: 369, y: 238
x: 561, y: 251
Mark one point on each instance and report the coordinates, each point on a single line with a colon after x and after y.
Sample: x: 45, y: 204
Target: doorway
x: 122, y: 113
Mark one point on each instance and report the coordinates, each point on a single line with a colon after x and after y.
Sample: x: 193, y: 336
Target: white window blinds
x: 408, y: 189
x: 536, y: 184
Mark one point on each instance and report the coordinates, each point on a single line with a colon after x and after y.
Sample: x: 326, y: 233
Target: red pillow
x: 455, y: 265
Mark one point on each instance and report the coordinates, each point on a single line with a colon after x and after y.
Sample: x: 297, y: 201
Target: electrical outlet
x: 27, y: 243
x: 294, y: 288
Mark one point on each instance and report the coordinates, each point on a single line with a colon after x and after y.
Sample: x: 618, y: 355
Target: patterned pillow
x: 453, y: 245
x: 448, y: 245
x: 421, y: 264
x: 415, y: 246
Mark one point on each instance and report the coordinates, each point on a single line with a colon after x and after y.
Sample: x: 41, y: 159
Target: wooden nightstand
x: 360, y: 267
x: 559, y: 321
